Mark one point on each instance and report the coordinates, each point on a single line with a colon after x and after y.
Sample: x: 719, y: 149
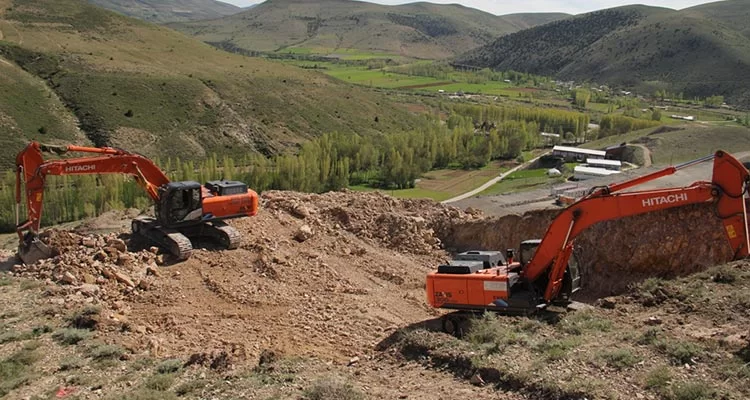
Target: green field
x: 521, y: 181
x: 443, y: 184
x: 340, y: 53
x: 383, y: 78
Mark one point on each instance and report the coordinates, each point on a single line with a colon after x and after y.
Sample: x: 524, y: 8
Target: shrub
x: 680, y: 353
x: 14, y: 336
x: 190, y: 386
x: 169, y: 366
x: 332, y: 389
x: 71, y: 363
x: 84, y: 318
x: 105, y: 352
x: 70, y: 336
x: 621, y: 359
x: 692, y: 391
x: 658, y: 379
x: 160, y: 382
x: 650, y: 336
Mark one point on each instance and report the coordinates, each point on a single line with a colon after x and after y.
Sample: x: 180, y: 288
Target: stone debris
x: 96, y: 266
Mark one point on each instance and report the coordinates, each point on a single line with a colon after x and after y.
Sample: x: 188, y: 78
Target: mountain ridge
x: 418, y: 30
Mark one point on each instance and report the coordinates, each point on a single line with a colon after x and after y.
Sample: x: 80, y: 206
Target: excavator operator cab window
x: 180, y: 202
x: 528, y: 249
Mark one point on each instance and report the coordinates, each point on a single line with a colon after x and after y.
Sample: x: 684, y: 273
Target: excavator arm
x: 32, y: 171
x: 726, y: 190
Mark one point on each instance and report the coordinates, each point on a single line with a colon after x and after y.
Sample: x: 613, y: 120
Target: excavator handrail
x: 729, y: 178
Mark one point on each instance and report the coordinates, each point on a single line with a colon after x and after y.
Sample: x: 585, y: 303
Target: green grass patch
x: 190, y: 386
x: 16, y: 371
x: 71, y: 363
x: 581, y: 322
x: 557, y: 349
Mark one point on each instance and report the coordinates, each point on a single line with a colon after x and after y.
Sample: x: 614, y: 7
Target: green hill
x: 733, y: 13
x: 170, y: 10
x: 65, y: 64
x: 636, y: 46
x: 421, y: 30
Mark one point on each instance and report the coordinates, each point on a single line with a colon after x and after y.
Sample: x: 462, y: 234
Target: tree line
x: 470, y: 136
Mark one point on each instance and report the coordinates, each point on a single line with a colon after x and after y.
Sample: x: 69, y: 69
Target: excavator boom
x: 494, y: 288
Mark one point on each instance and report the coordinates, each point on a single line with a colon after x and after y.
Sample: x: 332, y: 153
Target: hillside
x: 636, y: 46
x: 421, y: 30
x: 146, y: 88
x: 733, y: 13
x: 169, y: 11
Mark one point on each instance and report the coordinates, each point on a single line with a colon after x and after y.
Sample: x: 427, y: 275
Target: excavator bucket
x: 33, y: 250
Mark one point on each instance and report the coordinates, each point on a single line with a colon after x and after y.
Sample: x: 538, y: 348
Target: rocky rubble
x: 94, y: 266
x: 407, y: 225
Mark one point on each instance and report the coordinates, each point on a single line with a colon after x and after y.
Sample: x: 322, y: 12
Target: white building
x: 613, y: 165
x: 576, y: 154
x: 582, y: 173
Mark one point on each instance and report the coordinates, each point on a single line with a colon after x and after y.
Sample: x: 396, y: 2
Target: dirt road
x: 491, y: 182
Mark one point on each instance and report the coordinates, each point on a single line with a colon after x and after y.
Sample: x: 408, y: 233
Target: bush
x: 190, y: 386
x: 680, y: 353
x: 621, y: 359
x: 650, y: 336
x: 332, y: 389
x: 169, y: 366
x: 14, y: 336
x: 160, y: 382
x: 70, y: 336
x: 692, y: 391
x: 84, y: 318
x: 658, y: 379
x: 71, y: 363
x: 105, y: 352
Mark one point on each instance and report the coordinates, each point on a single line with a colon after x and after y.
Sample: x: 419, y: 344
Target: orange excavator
x: 547, y: 273
x: 183, y: 209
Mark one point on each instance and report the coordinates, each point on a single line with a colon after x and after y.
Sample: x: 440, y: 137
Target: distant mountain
x: 637, y: 46
x: 422, y: 30
x: 161, y: 11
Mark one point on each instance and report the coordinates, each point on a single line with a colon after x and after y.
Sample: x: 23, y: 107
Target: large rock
x: 303, y: 233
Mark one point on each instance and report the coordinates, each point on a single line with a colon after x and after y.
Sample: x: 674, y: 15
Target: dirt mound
x: 97, y: 267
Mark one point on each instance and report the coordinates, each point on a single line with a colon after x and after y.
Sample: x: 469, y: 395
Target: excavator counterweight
x: 182, y: 209
x: 547, y: 271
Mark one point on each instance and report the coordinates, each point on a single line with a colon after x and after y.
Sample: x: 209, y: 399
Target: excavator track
x: 225, y: 234
x: 169, y: 239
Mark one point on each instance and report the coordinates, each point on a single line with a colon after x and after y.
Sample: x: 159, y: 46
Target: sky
x: 501, y: 7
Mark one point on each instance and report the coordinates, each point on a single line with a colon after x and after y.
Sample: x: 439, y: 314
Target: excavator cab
x: 179, y: 203
x: 572, y: 278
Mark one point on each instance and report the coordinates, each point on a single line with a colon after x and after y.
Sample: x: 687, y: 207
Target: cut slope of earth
x: 151, y: 90
x: 421, y: 30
